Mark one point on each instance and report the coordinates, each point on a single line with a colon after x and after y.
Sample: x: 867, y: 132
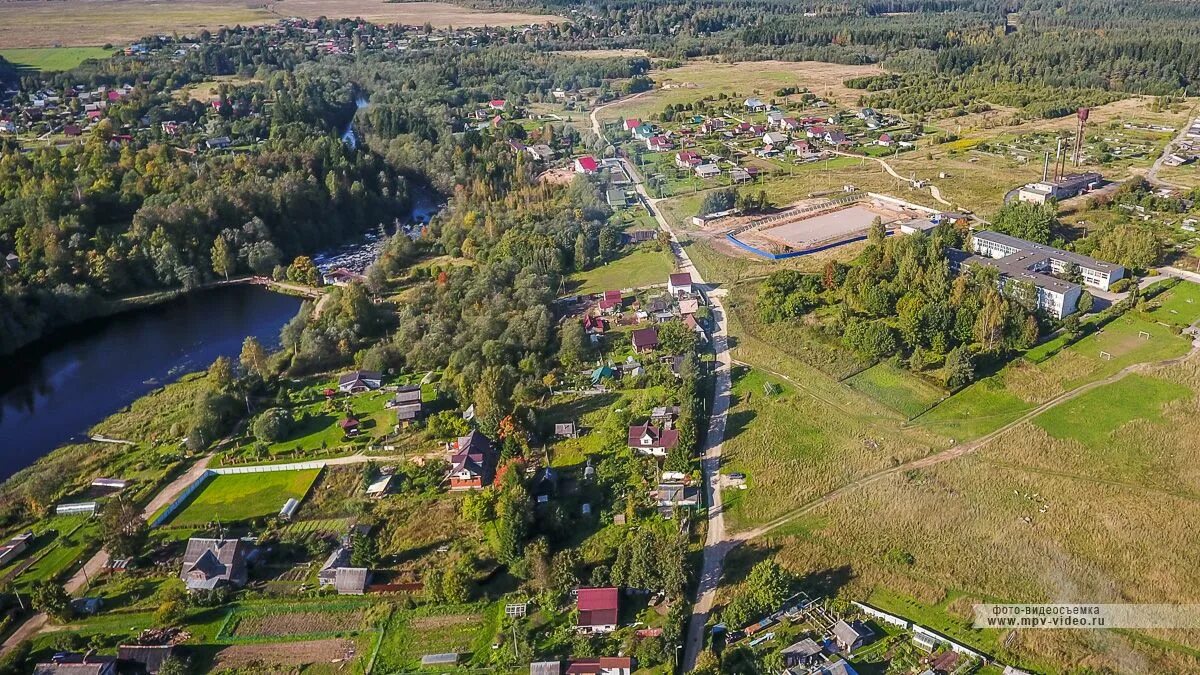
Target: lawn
x: 236, y: 497
x: 975, y: 411
x: 643, y: 266
x: 897, y: 388
x: 1179, y: 306
x: 1092, y: 417
x: 48, y: 59
x: 59, y: 542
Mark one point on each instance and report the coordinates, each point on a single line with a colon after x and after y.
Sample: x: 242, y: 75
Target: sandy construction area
x: 76, y: 23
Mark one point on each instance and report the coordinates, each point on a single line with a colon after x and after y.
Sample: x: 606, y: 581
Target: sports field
x: 244, y: 496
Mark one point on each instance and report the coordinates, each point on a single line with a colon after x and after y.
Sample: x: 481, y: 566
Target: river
x: 54, y: 391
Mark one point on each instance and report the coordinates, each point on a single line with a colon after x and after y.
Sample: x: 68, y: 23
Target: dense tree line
x: 899, y: 299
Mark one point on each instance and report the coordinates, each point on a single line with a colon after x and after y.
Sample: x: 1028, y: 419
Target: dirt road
x: 956, y: 451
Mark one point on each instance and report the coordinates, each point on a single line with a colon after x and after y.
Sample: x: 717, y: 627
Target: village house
x: 665, y: 415
x: 680, y: 284
x: 754, y: 104
x: 658, y: 144
x: 885, y: 140
x: 774, y: 138
x: 586, y: 165
x: 643, y: 132
x: 472, y: 462
x: 357, y: 381
x: 645, y: 340
x: 598, y: 610
x: 149, y: 658
x: 707, y: 171
x: 632, y: 123
x: 850, y: 636
x: 497, y: 104
x: 407, y: 403
x: 687, y: 160
x: 78, y: 664
x: 675, y: 494
x: 209, y: 563
x: 802, y: 654
x: 341, y: 277
x: 612, y: 302
x: 739, y: 176
x: 540, y: 152
x: 651, y: 440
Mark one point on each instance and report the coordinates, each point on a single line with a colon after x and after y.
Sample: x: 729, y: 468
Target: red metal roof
x: 597, y: 606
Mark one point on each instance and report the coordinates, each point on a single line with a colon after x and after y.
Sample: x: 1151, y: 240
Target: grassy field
x: 795, y: 447
x: 52, y: 59
x: 237, y: 497
x: 1179, y: 306
x: 642, y: 266
x: 897, y: 388
x: 466, y: 630
x: 1094, y: 417
x: 98, y: 22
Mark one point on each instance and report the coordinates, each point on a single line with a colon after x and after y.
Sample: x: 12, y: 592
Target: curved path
x: 933, y: 189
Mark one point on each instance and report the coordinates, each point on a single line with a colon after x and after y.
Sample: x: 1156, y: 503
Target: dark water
x: 56, y: 391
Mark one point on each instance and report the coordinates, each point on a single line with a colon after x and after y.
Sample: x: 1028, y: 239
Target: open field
x: 643, y: 266
x: 77, y: 23
x: 994, y: 401
x: 699, y: 78
x: 410, y: 635
x: 243, y: 496
x: 1179, y: 306
x: 795, y: 447
x: 52, y: 59
x: 897, y: 388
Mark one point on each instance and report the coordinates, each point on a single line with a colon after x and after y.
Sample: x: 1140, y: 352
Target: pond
x: 54, y: 391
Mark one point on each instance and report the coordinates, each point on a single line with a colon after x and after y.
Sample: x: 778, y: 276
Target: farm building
x: 15, y: 547
x: 651, y: 440
x: 357, y: 381
x: 289, y: 508
x: 75, y: 509
x: 565, y: 430
x: 598, y: 610
x: 675, y: 494
x: 209, y: 563
x: 472, y: 462
x: 381, y: 487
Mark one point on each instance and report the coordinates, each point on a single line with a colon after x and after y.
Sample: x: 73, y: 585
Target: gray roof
x: 545, y: 668
x: 1012, y: 269
x: 408, y: 394
x: 207, y: 563
x: 805, y: 647
x: 78, y: 664
x: 848, y: 634
x: 150, y: 656
x: 838, y: 668
x: 351, y: 580
x: 1042, y: 251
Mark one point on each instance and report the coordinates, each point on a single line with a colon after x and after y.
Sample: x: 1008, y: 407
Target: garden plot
x: 312, y: 622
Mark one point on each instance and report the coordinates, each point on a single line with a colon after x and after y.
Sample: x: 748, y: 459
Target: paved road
x: 717, y: 543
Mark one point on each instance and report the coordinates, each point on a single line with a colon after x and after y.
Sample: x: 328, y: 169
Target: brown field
x: 605, y: 53
x: 206, y: 92
x: 286, y: 654
x: 76, y: 23
x: 699, y: 78
x: 296, y: 623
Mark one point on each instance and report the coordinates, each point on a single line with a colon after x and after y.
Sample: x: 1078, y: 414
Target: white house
x: 680, y: 283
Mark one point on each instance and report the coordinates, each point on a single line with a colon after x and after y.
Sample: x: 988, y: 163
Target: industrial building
x: 1061, y: 188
